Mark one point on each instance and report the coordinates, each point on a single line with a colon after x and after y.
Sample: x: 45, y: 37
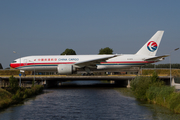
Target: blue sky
x: 48, y: 27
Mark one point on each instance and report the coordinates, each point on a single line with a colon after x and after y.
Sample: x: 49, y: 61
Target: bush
x: 159, y: 95
x: 18, y: 96
x: 13, y: 84
x: 6, y: 98
x: 177, y: 109
x: 141, y: 84
x: 37, y: 89
x: 174, y: 101
x: 152, y: 93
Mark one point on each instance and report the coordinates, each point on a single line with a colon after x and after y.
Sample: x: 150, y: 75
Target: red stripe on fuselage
x: 16, y: 65
x: 129, y: 62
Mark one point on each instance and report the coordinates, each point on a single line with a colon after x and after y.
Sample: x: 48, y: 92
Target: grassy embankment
x: 163, y: 72
x: 15, y: 94
x: 153, y: 90
x: 13, y: 72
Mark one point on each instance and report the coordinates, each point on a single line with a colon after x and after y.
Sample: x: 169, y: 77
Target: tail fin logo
x: 152, y: 46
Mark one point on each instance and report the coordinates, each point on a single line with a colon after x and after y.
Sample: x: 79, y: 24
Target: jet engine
x: 65, y: 69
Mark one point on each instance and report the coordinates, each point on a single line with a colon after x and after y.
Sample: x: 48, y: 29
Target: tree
x: 106, y: 50
x: 69, y: 52
x: 13, y: 84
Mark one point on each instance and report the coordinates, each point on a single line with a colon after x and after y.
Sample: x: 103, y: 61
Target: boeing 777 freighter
x: 68, y: 64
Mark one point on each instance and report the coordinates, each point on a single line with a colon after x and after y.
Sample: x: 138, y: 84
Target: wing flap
x: 93, y: 62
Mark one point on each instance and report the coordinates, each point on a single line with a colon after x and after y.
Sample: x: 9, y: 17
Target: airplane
x: 69, y: 64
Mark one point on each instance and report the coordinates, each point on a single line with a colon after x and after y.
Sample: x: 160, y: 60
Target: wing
x: 93, y: 62
x: 156, y: 58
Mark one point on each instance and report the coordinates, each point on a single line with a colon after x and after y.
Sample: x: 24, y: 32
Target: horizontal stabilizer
x: 156, y: 58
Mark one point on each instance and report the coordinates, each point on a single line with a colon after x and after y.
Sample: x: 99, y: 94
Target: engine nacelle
x: 64, y: 69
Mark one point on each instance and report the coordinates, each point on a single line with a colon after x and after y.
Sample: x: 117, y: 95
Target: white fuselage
x: 50, y: 62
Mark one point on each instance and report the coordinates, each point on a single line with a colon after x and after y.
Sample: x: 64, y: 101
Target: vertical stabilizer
x: 151, y: 47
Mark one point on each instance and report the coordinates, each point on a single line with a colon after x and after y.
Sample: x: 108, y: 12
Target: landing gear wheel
x: 92, y: 74
x: 84, y: 74
x: 87, y: 74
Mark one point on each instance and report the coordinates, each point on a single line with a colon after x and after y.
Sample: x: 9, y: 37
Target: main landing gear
x: 87, y: 74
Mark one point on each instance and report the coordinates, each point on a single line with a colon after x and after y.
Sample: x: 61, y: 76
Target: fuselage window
x: 14, y: 61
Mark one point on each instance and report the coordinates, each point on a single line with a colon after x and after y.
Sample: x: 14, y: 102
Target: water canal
x: 86, y: 103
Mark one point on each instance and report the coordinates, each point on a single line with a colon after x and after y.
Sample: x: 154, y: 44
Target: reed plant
x: 151, y: 89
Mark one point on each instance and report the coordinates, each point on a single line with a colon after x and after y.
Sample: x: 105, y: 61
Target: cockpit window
x: 14, y: 61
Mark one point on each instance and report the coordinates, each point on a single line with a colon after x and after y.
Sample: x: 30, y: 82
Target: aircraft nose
x: 11, y: 65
